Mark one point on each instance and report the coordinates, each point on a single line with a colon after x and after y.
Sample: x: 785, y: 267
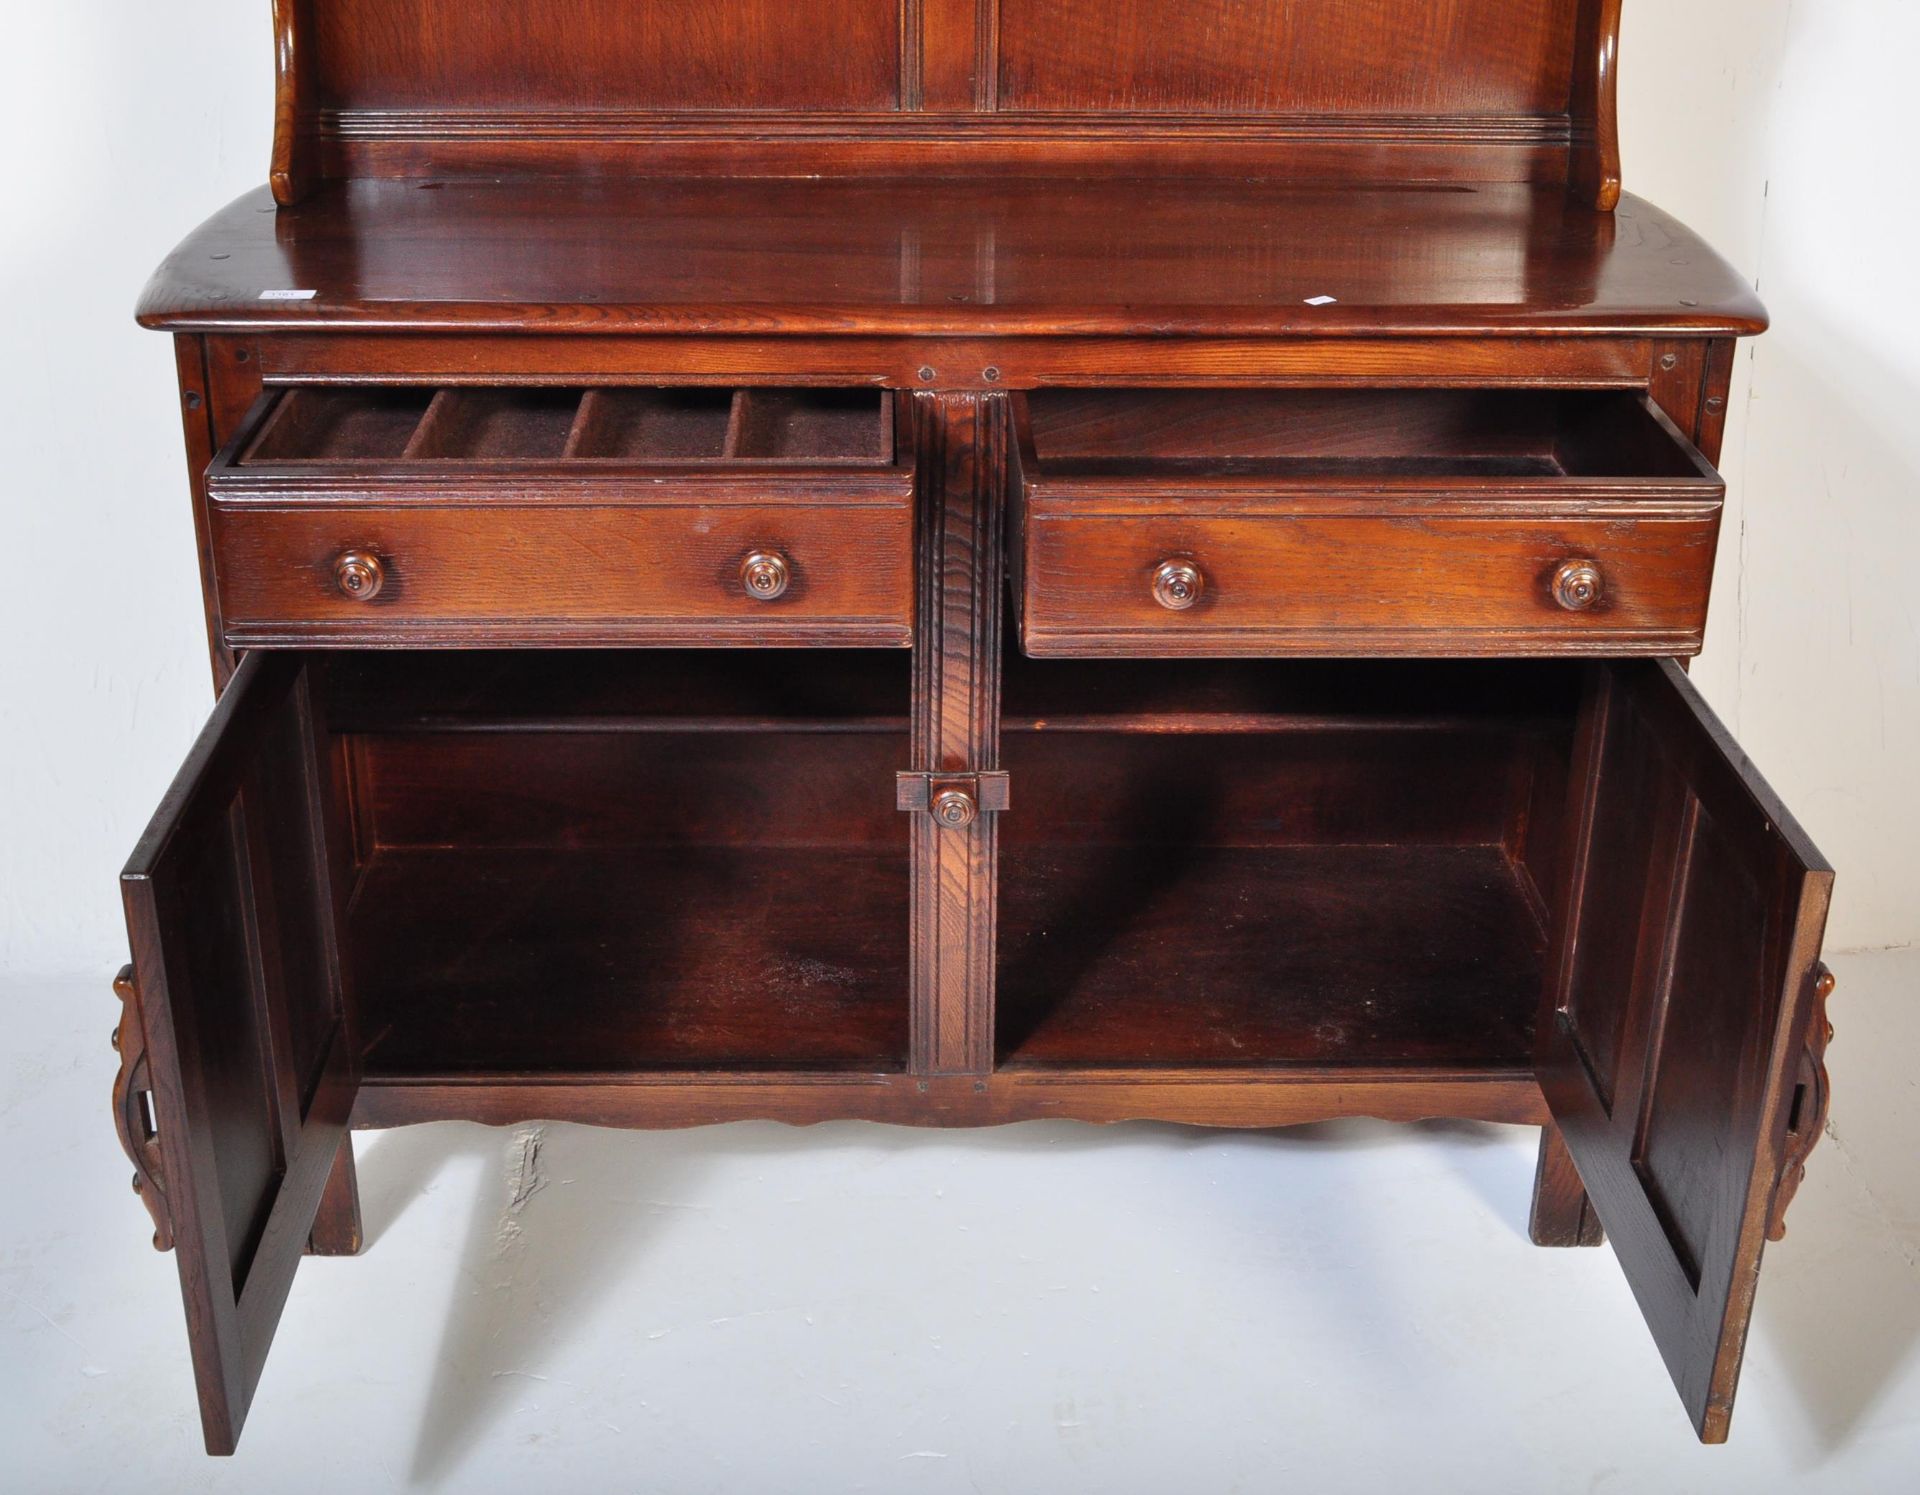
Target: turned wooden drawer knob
x: 359, y: 575
x: 765, y: 574
x: 1177, y: 585
x: 954, y: 808
x: 1576, y: 585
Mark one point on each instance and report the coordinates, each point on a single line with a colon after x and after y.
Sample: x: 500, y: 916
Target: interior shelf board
x: 1234, y: 695
x: 1170, y: 956
x: 597, y: 690
x: 724, y: 958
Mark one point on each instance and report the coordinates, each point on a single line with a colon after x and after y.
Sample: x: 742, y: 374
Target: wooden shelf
x: 736, y: 958
x: 1266, y: 696
x: 619, y: 690
x: 1418, y: 957
x: 929, y: 256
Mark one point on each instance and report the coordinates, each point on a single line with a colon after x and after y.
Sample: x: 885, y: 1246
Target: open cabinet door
x: 1679, y: 1003
x: 232, y: 907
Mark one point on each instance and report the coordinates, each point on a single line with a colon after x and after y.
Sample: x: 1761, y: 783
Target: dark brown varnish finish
x: 954, y: 561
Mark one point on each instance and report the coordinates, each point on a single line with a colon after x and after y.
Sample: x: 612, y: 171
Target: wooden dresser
x: 954, y: 561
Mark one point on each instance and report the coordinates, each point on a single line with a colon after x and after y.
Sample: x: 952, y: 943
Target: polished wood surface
x: 947, y: 256
x: 581, y: 362
x: 1807, y: 1113
x: 1189, y: 956
x: 1562, y: 1214
x: 1197, y: 523
x: 250, y: 1048
x: 403, y: 515
x: 752, y: 959
x: 1680, y: 1000
x: 1449, y: 57
x: 542, y: 55
x: 1392, y: 90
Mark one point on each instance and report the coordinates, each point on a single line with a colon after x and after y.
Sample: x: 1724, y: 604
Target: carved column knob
x: 1177, y: 585
x: 954, y: 808
x: 1577, y: 585
x: 359, y: 575
x: 765, y: 574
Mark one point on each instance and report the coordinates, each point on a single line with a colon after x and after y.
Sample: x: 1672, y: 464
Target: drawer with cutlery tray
x: 614, y: 516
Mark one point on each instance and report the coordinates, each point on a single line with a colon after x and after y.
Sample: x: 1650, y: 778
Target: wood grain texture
x: 1384, y: 578
x: 1386, y: 57
x: 1392, y: 90
x: 945, y: 257
x: 1807, y: 1116
x: 575, y: 322
x: 337, y: 1229
x: 744, y: 958
x: 1677, y: 1009
x: 133, y: 1116
x: 1248, y: 1098
x: 251, y: 1079
x: 517, y: 514
x: 1562, y: 1215
x: 1595, y: 104
x: 197, y: 421
x: 455, y: 56
x: 1155, y: 953
x: 960, y: 363
x: 962, y: 445
x: 602, y: 573
x: 290, y: 172
x: 1350, y: 524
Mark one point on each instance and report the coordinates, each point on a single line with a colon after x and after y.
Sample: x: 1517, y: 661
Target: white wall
x: 1779, y: 129
x: 129, y: 122
x: 1783, y: 130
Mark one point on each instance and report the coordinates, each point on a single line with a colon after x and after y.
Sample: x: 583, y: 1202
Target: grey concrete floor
x: 1041, y: 1308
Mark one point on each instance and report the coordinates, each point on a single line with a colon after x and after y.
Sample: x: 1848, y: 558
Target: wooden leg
x: 336, y: 1229
x: 1562, y: 1214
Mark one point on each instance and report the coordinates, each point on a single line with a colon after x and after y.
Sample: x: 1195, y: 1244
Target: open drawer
x: 1356, y: 522
x: 535, y: 515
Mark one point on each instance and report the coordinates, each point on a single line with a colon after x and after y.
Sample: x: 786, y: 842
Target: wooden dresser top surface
x: 962, y: 256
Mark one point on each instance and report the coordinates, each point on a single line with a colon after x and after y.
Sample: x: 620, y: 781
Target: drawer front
x: 511, y: 573
x: 1400, y: 582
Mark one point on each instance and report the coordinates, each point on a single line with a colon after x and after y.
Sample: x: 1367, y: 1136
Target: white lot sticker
x: 288, y: 295
x: 1322, y: 300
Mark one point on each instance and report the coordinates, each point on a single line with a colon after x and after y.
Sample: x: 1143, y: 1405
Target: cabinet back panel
x: 1383, y: 90
x: 607, y: 54
x: 1474, y: 57
x: 1318, y: 787
x: 560, y: 790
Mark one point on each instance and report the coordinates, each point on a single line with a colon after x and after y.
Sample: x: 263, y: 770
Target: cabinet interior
x: 624, y: 862
x: 1267, y: 864
x: 608, y: 862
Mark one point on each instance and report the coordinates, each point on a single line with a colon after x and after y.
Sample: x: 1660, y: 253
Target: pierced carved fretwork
x: 1812, y: 1098
x: 133, y: 1110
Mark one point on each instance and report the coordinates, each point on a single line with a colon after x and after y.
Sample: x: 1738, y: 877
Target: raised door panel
x: 232, y: 901
x: 1680, y: 1003
x: 1405, y: 57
